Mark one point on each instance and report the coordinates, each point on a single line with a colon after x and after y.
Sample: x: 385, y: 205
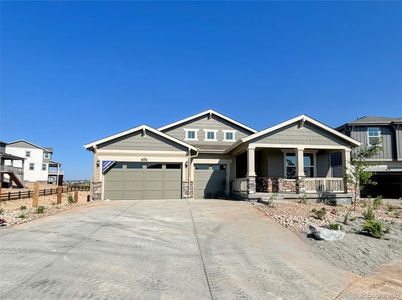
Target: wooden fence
x: 45, y: 192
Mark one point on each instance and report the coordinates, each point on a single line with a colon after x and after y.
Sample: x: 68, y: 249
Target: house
x: 37, y: 164
x: 8, y: 173
x: 211, y: 155
x: 386, y: 165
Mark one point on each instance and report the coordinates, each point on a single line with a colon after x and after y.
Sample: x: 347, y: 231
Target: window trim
x: 44, y: 165
x: 285, y: 164
x: 229, y: 131
x: 206, y: 131
x: 33, y: 167
x: 46, y: 155
x: 314, y: 166
x: 186, y: 130
x: 26, y: 152
x: 379, y: 134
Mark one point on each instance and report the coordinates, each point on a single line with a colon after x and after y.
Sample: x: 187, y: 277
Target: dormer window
x: 210, y: 135
x: 191, y: 134
x: 374, y: 135
x: 228, y: 135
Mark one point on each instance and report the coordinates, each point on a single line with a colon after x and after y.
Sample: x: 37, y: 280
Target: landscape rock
x: 321, y: 233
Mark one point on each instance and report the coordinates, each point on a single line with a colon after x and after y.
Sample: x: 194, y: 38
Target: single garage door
x: 209, y: 180
x: 132, y: 181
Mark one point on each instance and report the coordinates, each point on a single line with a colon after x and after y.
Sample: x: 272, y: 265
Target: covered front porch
x: 292, y: 172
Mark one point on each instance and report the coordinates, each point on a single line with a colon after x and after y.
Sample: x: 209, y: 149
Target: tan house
x: 211, y: 155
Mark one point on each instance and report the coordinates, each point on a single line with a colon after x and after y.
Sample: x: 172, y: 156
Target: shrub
x: 352, y: 219
x: 335, y: 226
x: 373, y: 228
x: 377, y: 202
x: 70, y: 199
x: 40, y: 210
x: 23, y: 207
x: 21, y: 216
x: 395, y: 213
x: 53, y: 203
x: 319, y: 213
x: 369, y: 214
x: 303, y: 199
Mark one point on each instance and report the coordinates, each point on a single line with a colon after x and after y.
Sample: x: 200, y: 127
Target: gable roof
x: 91, y: 145
x: 209, y: 111
x: 291, y: 121
x: 25, y: 141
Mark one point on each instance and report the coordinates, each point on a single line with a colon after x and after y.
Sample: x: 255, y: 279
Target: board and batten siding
x: 204, y: 123
x: 139, y: 141
x: 360, y: 133
x: 308, y: 134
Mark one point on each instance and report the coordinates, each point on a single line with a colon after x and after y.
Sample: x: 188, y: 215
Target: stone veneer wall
x: 276, y: 185
x: 96, y: 190
x: 187, y: 189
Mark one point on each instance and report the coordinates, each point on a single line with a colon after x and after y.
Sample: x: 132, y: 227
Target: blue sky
x: 73, y: 72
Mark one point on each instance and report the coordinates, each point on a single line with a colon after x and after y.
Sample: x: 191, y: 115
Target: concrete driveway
x: 170, y: 249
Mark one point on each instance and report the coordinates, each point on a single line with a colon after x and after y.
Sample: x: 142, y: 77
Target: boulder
x: 321, y: 233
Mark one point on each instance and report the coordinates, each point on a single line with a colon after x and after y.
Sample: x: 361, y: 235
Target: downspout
x: 189, y: 157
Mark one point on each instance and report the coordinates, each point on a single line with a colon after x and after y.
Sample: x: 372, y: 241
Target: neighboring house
x: 9, y: 174
x: 386, y: 165
x: 38, y: 164
x: 211, y: 155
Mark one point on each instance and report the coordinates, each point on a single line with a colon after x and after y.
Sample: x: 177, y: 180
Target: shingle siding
x: 204, y: 123
x: 308, y: 134
x: 138, y: 141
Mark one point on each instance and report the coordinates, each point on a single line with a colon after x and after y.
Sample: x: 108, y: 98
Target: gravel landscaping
x: 355, y: 252
x: 20, y: 211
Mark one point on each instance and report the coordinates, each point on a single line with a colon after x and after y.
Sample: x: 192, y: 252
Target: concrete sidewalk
x: 169, y: 249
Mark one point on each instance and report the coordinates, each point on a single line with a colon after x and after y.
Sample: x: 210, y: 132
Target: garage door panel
x: 139, y: 183
x: 209, y: 183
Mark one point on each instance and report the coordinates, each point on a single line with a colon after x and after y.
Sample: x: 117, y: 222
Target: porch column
x: 346, y: 159
x: 251, y: 187
x: 300, y: 171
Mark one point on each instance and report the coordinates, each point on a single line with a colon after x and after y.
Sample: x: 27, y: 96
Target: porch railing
x: 16, y: 170
x: 239, y: 185
x: 324, y: 184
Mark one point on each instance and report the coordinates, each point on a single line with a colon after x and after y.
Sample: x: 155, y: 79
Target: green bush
x: 70, y: 199
x: 335, y: 226
x: 319, y: 213
x: 352, y: 219
x: 377, y: 202
x: 373, y: 228
x: 23, y: 207
x: 40, y: 210
x: 21, y: 216
x: 369, y: 214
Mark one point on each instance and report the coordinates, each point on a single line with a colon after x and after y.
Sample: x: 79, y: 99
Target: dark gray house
x: 387, y: 165
x: 211, y: 155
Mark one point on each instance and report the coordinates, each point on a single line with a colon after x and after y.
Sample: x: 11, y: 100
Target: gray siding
x: 309, y: 134
x: 202, y: 123
x: 399, y: 141
x: 360, y: 133
x: 138, y: 141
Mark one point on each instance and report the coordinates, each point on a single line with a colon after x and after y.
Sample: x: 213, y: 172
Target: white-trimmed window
x: 191, y: 134
x: 31, y: 166
x: 229, y: 135
x: 374, y: 135
x: 309, y: 164
x: 27, y: 153
x: 290, y: 164
x: 46, y: 155
x: 210, y: 135
x: 43, y: 167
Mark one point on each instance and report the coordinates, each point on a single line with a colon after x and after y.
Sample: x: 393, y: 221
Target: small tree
x: 358, y: 174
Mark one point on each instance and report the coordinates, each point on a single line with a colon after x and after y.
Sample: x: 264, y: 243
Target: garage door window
x: 118, y: 165
x: 173, y: 166
x: 201, y: 167
x: 154, y: 166
x: 218, y: 167
x: 134, y: 165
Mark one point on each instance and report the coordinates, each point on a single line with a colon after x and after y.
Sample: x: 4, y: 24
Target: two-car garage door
x: 132, y: 180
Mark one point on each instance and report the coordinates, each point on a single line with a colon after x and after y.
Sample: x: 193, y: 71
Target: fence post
x: 59, y: 189
x: 35, y: 198
x: 76, y: 197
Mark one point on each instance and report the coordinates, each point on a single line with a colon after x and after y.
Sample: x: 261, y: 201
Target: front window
x: 31, y: 166
x: 27, y: 153
x: 374, y: 135
x: 46, y: 155
x: 191, y: 135
x: 290, y: 165
x: 43, y: 167
x: 210, y: 135
x: 309, y: 164
x: 229, y: 136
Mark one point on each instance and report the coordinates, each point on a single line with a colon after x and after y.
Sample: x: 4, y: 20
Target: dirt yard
x: 355, y: 252
x: 21, y: 211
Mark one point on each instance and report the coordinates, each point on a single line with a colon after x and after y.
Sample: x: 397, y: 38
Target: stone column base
x: 251, y: 184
